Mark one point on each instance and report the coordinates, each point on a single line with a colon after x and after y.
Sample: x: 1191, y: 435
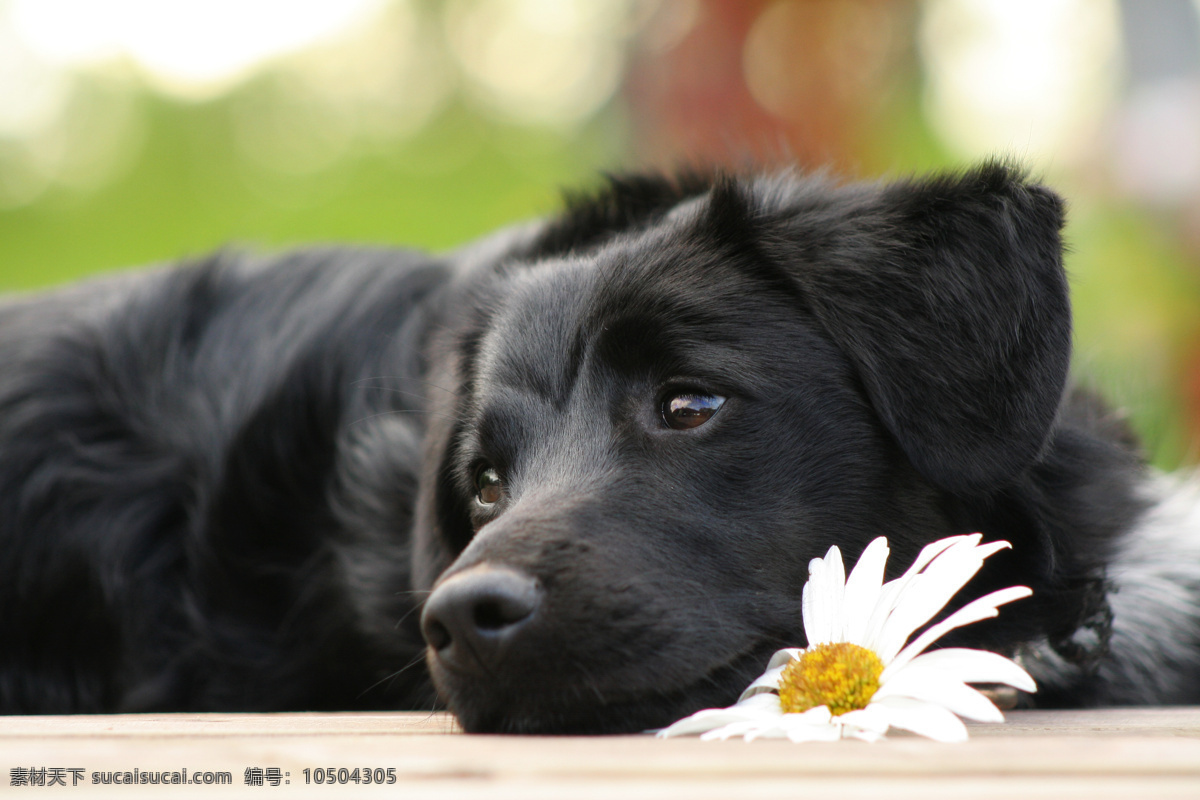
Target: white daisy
x: 859, y: 674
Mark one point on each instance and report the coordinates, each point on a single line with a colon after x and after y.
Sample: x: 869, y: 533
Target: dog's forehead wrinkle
x: 536, y: 341
x: 570, y: 455
x: 646, y: 281
x: 540, y: 442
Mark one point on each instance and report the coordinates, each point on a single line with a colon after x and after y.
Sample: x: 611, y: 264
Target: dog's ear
x: 949, y: 296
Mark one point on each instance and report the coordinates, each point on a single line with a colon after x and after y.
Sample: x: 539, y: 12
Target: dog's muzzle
x: 474, y: 617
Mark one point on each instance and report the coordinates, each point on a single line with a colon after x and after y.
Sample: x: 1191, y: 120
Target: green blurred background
x: 141, y: 131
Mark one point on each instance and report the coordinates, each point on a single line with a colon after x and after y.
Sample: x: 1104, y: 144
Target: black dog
x: 608, y: 444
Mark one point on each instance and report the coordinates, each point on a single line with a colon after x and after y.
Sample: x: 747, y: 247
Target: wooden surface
x: 1119, y: 753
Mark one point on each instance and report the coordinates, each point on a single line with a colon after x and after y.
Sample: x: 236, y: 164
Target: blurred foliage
x: 1136, y: 295
x: 184, y: 181
x: 189, y: 190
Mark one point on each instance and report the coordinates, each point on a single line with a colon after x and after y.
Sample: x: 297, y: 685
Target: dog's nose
x: 473, y: 618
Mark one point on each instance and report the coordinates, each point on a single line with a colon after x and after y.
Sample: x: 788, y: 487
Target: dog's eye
x: 683, y: 411
x: 488, y: 489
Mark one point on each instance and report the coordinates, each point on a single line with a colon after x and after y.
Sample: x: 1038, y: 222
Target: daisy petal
x: 814, y: 733
x: 810, y: 726
x: 812, y: 607
x: 813, y: 725
x: 893, y: 590
x: 884, y: 603
x: 690, y: 726
x: 854, y: 732
x: 762, y: 710
x: 869, y: 718
x: 983, y: 608
x: 976, y: 666
x: 745, y: 728
x: 925, y: 719
x: 781, y: 657
x: 822, y: 598
x: 927, y: 593
x: 835, y: 576
x: 767, y: 682
x: 818, y: 715
x: 862, y: 590
x: 941, y: 688
x: 935, y: 549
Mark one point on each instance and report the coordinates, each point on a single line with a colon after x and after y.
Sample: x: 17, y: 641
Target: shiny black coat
x: 231, y: 485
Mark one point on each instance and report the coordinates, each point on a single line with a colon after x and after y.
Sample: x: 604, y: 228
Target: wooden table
x: 1117, y: 753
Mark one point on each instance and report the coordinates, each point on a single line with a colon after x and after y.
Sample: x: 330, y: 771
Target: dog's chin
x: 485, y: 707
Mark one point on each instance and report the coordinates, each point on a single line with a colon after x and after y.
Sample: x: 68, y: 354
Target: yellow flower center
x: 841, y: 675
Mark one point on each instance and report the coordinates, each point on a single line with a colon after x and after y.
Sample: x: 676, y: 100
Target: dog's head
x: 679, y: 394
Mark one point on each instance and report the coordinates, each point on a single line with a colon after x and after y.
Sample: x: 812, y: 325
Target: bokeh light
x: 142, y: 131
x: 540, y: 61
x: 1027, y: 77
x: 193, y: 48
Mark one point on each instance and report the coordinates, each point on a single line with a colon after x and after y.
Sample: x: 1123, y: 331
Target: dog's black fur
x: 231, y: 485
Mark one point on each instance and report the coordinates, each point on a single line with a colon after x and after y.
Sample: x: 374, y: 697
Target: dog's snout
x: 473, y: 618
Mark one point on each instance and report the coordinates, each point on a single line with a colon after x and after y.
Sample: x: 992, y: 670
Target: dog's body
x: 609, y: 443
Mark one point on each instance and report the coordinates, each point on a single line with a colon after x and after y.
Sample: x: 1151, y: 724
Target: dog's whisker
x: 589, y: 681
x: 392, y: 677
x: 405, y: 616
